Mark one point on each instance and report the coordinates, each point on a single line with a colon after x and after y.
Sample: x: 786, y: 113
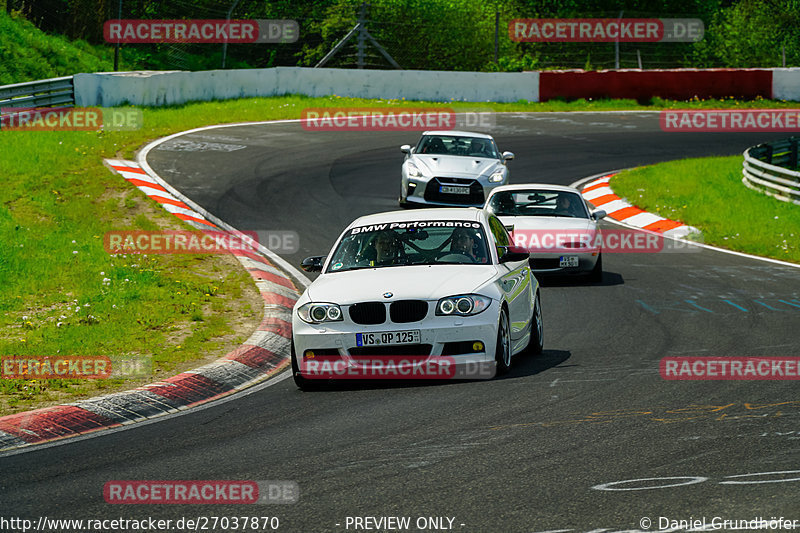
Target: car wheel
x: 596, y: 275
x: 301, y: 382
x: 502, y: 353
x: 536, y: 343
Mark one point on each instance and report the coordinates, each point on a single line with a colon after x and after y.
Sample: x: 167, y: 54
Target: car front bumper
x: 549, y: 263
x: 465, y: 345
x: 427, y: 191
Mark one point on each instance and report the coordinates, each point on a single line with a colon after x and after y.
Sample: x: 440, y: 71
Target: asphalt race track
x: 543, y: 448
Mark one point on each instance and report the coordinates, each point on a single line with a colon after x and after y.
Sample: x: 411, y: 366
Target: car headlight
x: 413, y: 171
x: 497, y: 176
x: 317, y: 313
x: 462, y: 305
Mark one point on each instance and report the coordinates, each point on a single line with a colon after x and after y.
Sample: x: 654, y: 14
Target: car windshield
x: 532, y: 202
x: 457, y: 145
x: 410, y: 243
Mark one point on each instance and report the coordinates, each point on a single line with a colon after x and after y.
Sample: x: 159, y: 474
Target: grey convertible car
x: 452, y: 168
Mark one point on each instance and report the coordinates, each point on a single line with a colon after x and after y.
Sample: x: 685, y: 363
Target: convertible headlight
x: 462, y: 305
x: 317, y: 313
x: 497, y: 176
x: 413, y: 171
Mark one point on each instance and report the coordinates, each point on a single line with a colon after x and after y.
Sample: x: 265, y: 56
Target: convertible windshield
x: 410, y: 243
x: 543, y: 203
x: 456, y: 145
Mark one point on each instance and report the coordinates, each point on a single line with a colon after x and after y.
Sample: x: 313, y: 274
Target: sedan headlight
x: 497, y: 176
x: 413, y: 171
x: 317, y: 313
x: 462, y: 305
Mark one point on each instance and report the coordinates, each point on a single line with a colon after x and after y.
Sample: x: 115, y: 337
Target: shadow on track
x: 528, y: 365
x: 555, y: 280
x: 523, y: 365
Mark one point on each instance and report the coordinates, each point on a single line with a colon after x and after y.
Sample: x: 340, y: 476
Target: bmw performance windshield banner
x: 421, y: 224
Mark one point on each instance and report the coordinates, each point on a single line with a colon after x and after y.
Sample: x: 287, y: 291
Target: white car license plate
x: 388, y: 338
x: 450, y: 189
x: 568, y: 261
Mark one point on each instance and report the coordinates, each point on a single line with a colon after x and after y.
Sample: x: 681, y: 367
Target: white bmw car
x: 428, y: 294
x: 554, y: 224
x: 457, y: 168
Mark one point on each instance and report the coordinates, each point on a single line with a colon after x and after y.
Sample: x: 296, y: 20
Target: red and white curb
x: 261, y: 356
x: 599, y: 194
x: 137, y: 176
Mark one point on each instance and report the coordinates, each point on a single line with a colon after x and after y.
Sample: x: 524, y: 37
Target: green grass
x: 175, y: 310
x: 708, y: 193
x: 30, y: 54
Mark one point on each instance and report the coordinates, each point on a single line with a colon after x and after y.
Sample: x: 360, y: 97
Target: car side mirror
x: 508, y: 156
x: 406, y: 149
x: 514, y: 254
x: 313, y: 264
x: 597, y: 215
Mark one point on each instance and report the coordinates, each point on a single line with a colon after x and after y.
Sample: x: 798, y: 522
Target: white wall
x: 160, y: 88
x: 786, y: 84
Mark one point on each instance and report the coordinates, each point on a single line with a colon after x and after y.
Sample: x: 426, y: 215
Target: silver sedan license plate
x: 568, y: 261
x: 383, y: 338
x: 451, y: 189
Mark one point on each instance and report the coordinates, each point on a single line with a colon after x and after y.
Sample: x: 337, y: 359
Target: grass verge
x: 708, y: 193
x: 30, y: 54
x: 62, y: 294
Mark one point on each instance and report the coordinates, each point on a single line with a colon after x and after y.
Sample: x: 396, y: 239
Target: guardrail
x: 772, y: 168
x: 42, y: 93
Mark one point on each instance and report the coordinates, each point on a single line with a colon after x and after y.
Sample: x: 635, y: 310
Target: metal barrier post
x: 767, y: 153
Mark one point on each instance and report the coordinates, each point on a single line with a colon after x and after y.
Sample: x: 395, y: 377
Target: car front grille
x: 400, y: 312
x: 404, y: 311
x: 433, y: 194
x: 368, y: 313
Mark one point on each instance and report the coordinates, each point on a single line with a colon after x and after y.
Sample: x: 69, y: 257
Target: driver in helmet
x: 388, y: 248
x: 462, y: 241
